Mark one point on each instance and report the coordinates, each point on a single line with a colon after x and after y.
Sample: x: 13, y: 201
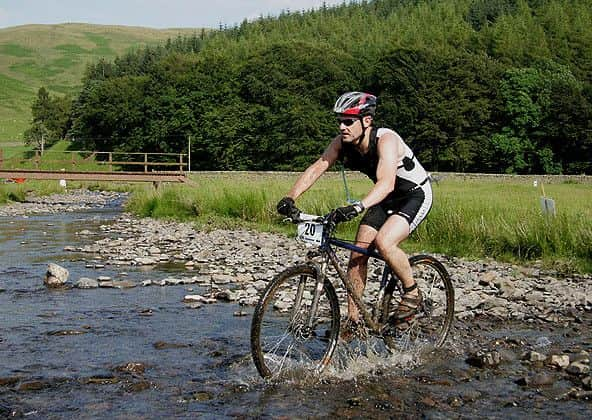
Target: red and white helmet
x: 356, y: 103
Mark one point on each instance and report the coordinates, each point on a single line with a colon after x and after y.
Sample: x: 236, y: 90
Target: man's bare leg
x: 357, y: 268
x: 391, y: 234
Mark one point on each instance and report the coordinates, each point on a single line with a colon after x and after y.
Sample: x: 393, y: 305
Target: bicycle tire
x: 431, y: 325
x: 282, y: 346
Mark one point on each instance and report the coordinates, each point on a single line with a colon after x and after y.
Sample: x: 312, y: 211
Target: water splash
x: 360, y: 358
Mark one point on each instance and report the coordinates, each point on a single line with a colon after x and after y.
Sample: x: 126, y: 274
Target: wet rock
x: 428, y: 401
x: 102, y: 380
x: 66, y: 332
x: 578, y: 368
x: 533, y: 356
x: 455, y: 401
x: 199, y: 299
x: 162, y: 345
x: 33, y: 386
x: 261, y: 285
x: 222, y: 279
x: 197, y: 396
x: 354, y: 401
x: 580, y: 394
x: 132, y: 367
x: 138, y: 386
x: 226, y: 295
x: 86, y: 283
x: 9, y: 381
x: 482, y: 359
x: 471, y: 395
x: 56, y: 275
x: 123, y: 284
x: 537, y: 380
x: 559, y: 360
x: 145, y: 261
x: 240, y: 313
x: 587, y: 383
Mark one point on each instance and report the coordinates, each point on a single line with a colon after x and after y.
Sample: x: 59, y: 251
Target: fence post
x: 36, y: 159
x: 73, y: 160
x: 189, y: 156
x: 1, y: 158
x: 180, y: 162
x: 110, y: 161
x: 145, y: 162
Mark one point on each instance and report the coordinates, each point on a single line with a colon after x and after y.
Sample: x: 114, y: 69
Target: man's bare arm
x: 318, y: 168
x: 389, y: 156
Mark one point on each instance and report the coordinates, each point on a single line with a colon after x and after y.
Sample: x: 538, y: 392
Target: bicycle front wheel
x: 430, y: 327
x: 289, y: 338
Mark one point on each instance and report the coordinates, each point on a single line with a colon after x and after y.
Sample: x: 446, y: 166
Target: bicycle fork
x: 306, y: 326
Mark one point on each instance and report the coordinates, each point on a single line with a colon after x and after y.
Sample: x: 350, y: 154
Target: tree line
x: 472, y: 85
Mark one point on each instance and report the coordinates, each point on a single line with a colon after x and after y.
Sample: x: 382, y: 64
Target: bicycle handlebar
x: 304, y: 217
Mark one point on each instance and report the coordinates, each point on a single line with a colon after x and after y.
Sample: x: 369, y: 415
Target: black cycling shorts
x: 413, y: 207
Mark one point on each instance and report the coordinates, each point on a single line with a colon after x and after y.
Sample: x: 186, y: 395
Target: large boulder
x: 56, y: 275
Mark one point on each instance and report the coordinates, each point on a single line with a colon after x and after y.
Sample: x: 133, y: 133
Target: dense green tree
x: 51, y: 119
x: 443, y: 106
x: 472, y: 85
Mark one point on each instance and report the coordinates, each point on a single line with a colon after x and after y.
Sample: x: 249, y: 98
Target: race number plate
x: 310, y: 232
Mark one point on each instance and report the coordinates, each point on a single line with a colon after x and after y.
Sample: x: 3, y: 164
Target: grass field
x: 55, y: 56
x: 471, y: 218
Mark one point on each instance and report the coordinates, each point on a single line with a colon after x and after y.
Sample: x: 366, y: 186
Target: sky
x: 150, y: 13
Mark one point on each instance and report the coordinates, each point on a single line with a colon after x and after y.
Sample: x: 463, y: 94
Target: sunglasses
x: 347, y: 121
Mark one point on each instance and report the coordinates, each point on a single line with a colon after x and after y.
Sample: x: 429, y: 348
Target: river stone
x: 33, y: 386
x: 260, y: 284
x: 484, y: 359
x: 8, y: 381
x: 559, y: 360
x: 86, y: 283
x: 124, y: 284
x: 536, y: 380
x: 222, y: 278
x: 534, y: 356
x: 578, y: 368
x: 198, y: 298
x: 145, y: 261
x: 56, y: 275
x: 132, y: 367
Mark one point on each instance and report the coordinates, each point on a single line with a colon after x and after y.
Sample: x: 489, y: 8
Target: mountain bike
x: 295, y: 326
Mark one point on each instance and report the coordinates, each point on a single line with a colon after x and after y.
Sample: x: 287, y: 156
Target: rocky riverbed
x: 525, y: 325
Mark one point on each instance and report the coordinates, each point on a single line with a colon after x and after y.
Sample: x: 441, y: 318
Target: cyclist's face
x: 350, y: 128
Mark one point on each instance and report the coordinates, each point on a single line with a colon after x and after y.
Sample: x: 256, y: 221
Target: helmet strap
x: 360, y: 139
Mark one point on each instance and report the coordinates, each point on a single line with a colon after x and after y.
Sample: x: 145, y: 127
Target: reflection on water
x: 142, y: 352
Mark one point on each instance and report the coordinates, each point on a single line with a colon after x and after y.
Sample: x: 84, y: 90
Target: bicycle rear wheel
x: 283, y: 342
x: 430, y: 327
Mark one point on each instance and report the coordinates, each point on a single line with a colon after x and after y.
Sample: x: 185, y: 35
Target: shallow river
x: 142, y: 353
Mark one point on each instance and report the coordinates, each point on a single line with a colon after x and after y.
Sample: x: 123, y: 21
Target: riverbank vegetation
x: 470, y: 218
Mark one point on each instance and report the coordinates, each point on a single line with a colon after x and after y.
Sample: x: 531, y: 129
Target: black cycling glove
x: 347, y: 213
x: 287, y: 207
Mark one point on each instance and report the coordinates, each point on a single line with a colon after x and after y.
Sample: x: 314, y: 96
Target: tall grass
x: 470, y: 218
x: 505, y: 221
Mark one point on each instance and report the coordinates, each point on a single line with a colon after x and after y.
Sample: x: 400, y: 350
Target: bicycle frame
x: 329, y: 255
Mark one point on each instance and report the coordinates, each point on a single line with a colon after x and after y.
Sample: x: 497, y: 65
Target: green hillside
x: 56, y: 56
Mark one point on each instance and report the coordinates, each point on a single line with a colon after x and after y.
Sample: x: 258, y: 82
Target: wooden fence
x: 73, y: 159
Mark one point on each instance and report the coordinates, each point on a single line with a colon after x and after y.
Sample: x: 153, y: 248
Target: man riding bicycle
x: 398, y: 202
